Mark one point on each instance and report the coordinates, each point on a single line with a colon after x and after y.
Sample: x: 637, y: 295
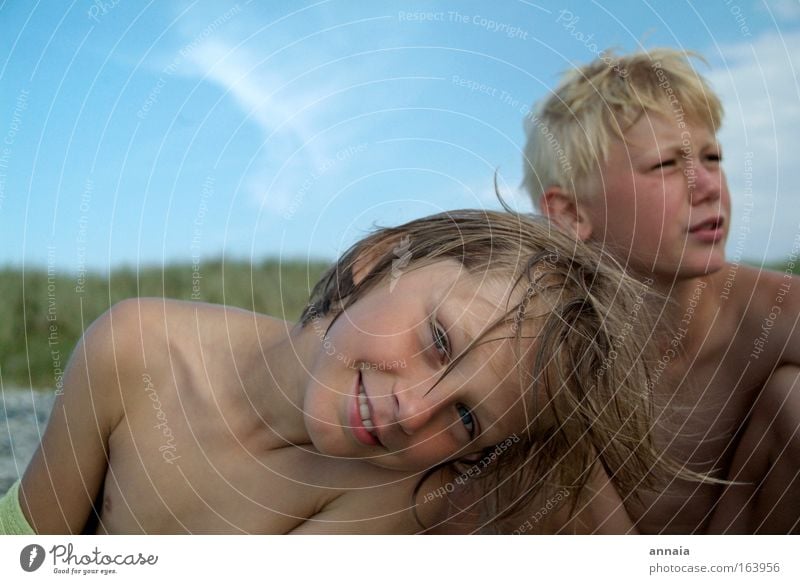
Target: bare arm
x: 68, y: 469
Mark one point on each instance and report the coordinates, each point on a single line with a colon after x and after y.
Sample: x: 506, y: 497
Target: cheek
x: 418, y: 457
x: 726, y: 196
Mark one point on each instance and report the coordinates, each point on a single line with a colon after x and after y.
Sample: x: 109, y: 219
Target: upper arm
x: 68, y: 469
x: 597, y: 509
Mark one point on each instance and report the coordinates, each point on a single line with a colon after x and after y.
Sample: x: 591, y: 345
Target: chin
x: 711, y: 264
x: 325, y: 437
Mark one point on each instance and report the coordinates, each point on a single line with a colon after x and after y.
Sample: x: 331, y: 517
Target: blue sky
x: 148, y: 133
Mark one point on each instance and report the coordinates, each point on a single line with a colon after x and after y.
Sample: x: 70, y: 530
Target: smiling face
x: 373, y: 391
x: 661, y: 201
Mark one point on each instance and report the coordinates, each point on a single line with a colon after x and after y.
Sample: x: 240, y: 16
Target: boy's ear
x: 563, y: 209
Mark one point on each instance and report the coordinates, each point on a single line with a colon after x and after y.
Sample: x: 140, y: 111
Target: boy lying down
x: 497, y: 337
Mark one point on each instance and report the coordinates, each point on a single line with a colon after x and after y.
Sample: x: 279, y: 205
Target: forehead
x: 497, y: 365
x: 656, y: 131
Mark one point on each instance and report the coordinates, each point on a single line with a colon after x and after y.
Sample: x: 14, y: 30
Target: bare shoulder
x: 67, y: 470
x: 178, y: 335
x: 767, y: 303
x: 756, y: 289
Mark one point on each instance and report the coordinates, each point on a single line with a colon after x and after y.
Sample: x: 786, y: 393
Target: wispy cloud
x: 282, y: 111
x: 783, y: 9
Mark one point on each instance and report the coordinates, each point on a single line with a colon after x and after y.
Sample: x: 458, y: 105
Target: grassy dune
x: 45, y: 314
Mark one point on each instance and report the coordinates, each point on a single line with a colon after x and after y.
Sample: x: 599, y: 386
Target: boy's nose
x: 707, y: 184
x: 415, y: 408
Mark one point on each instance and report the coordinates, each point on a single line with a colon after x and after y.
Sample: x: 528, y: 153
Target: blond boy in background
x: 624, y: 153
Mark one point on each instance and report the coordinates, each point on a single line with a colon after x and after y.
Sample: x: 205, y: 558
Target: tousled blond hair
x: 589, y: 365
x: 569, y: 133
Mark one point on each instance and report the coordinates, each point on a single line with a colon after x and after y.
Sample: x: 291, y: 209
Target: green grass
x: 27, y: 355
x: 42, y: 319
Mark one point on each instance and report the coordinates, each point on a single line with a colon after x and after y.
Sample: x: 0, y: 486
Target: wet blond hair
x: 588, y: 367
x: 570, y: 132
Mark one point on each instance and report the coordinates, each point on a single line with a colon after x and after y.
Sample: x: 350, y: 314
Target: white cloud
x: 782, y: 9
x: 758, y: 83
x: 278, y: 108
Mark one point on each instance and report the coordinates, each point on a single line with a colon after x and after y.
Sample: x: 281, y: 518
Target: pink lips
x: 709, y: 231
x: 356, y: 425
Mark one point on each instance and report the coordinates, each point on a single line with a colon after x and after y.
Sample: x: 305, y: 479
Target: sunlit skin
x: 263, y: 432
x: 397, y: 342
x: 668, y: 210
x: 660, y: 204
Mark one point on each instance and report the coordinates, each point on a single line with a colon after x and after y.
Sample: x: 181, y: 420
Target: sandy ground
x: 23, y: 417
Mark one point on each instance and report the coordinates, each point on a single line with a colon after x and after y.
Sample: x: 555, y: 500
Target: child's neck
x: 688, y: 311
x: 278, y: 392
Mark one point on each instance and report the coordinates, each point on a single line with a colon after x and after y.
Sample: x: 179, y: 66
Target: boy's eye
x: 715, y: 157
x: 467, y: 419
x: 440, y: 341
x: 664, y: 164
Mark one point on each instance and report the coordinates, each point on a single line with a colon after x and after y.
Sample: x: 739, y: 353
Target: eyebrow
x: 487, y: 413
x: 657, y: 150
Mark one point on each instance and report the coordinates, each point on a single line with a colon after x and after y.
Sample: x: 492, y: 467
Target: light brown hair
x: 588, y: 367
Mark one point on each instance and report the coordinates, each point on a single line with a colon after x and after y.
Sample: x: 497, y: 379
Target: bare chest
x: 702, y: 409
x: 178, y: 464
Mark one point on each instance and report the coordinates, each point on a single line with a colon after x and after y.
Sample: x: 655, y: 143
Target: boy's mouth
x: 711, y: 230
x: 711, y: 224
x: 369, y: 434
